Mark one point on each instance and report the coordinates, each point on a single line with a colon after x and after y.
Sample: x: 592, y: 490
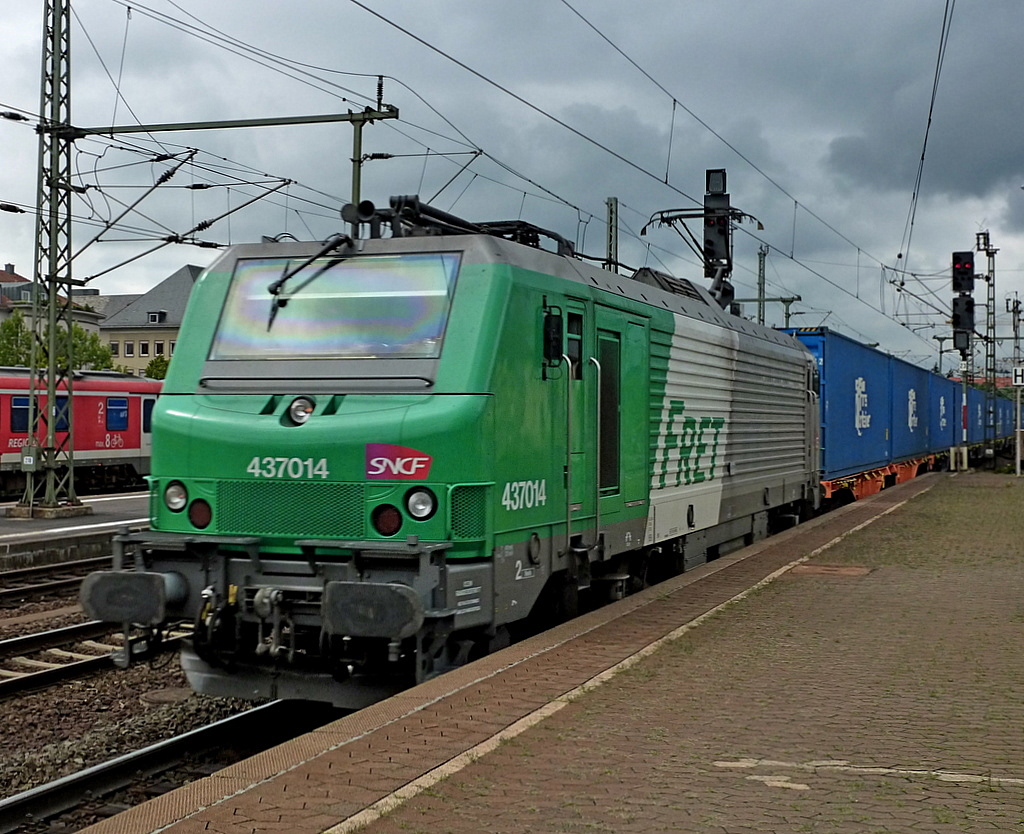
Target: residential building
x: 16, y: 293
x: 15, y: 289
x: 147, y: 326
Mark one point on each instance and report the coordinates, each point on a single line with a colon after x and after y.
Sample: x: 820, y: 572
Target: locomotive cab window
x: 358, y: 307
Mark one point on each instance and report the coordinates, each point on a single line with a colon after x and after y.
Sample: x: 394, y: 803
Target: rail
x: 267, y: 724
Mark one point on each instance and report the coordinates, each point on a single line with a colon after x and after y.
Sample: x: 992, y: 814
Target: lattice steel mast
x: 983, y: 244
x: 49, y: 464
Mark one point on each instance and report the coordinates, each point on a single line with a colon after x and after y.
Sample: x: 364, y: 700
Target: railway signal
x: 963, y: 272
x: 963, y: 303
x: 963, y: 322
x: 717, y: 228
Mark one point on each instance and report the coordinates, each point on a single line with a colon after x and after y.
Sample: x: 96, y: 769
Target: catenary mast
x: 47, y: 463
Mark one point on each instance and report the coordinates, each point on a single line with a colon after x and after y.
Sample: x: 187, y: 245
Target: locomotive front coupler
x: 267, y: 604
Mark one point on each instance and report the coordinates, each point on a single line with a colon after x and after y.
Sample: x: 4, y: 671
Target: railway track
x: 26, y: 584
x: 39, y: 660
x: 196, y: 752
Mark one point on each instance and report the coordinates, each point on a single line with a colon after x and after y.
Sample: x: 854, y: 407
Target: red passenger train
x: 112, y: 439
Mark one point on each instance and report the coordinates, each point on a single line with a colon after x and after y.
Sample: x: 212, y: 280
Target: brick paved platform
x: 876, y: 689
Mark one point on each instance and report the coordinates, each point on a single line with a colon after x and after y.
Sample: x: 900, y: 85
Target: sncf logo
x: 384, y: 461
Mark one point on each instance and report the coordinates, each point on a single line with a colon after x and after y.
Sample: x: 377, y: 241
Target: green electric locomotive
x: 373, y: 458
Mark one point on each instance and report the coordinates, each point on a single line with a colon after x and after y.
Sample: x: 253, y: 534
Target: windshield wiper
x: 276, y: 300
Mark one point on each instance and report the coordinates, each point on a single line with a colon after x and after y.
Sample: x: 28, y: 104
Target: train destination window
x: 361, y: 307
x: 117, y: 413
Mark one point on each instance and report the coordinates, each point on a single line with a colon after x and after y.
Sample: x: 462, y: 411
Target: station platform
x: 859, y: 673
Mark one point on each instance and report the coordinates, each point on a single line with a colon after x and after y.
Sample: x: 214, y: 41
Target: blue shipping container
x: 943, y: 412
x: 910, y: 406
x: 856, y: 406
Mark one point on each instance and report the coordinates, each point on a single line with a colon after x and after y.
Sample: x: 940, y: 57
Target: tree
x: 157, y: 367
x: 16, y: 345
x: 15, y: 340
x: 89, y: 351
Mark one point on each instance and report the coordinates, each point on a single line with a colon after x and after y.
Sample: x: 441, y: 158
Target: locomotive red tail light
x: 386, y: 519
x: 200, y: 514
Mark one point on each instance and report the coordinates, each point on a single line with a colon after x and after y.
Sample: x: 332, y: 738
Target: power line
x: 525, y: 102
x: 908, y: 230
x: 711, y: 130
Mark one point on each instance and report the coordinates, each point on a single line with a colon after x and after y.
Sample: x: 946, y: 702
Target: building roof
x: 107, y: 305
x: 170, y: 297
x: 9, y: 276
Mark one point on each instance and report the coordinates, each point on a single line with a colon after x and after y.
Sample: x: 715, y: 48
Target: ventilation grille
x: 469, y: 512
x: 278, y: 508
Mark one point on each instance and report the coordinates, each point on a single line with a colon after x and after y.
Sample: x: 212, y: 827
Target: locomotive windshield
x: 358, y: 307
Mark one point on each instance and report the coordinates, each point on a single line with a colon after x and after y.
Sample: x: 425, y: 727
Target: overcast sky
x: 818, y: 111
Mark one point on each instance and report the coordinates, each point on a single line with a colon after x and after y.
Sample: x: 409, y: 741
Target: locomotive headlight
x: 176, y: 496
x: 300, y: 410
x: 420, y: 503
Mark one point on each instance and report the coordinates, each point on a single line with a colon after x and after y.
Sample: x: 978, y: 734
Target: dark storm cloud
x: 826, y: 103
x: 974, y: 143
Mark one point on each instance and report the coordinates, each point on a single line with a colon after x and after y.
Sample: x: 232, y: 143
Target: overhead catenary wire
x: 908, y: 230
x: 796, y: 203
x: 582, y: 212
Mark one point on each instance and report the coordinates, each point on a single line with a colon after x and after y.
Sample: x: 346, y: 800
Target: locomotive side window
x: 574, y: 343
x: 147, y: 416
x: 19, y: 415
x: 608, y: 356
x: 117, y: 413
x: 360, y: 307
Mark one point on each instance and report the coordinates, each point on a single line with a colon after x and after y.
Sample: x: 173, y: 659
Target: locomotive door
x: 579, y: 465
x: 608, y: 416
x: 621, y: 412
